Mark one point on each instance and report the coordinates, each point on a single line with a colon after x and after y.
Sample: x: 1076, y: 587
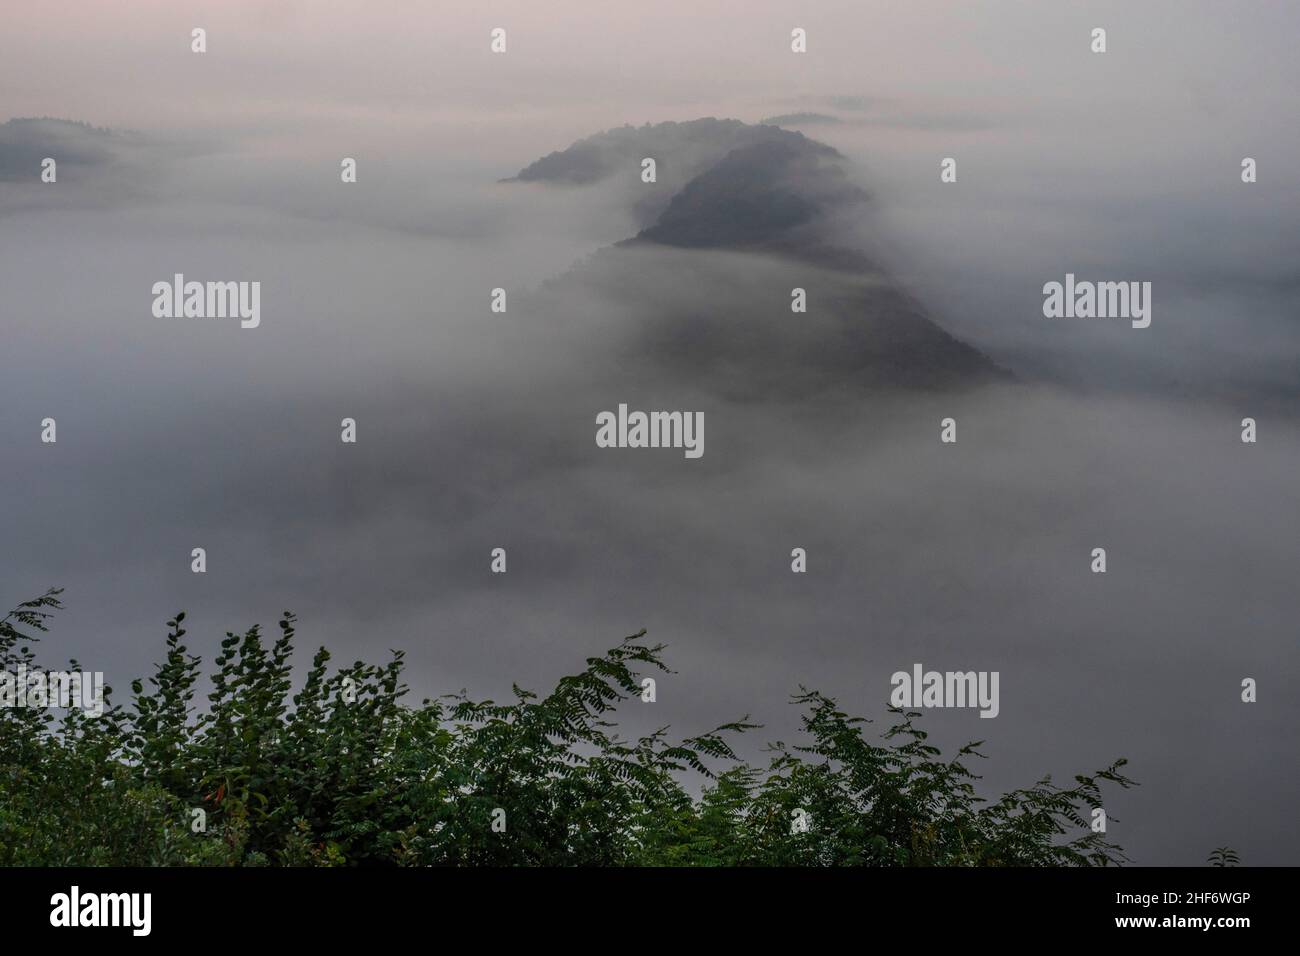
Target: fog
x: 476, y: 429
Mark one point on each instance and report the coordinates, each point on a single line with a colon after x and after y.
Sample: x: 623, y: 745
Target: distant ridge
x: 764, y: 197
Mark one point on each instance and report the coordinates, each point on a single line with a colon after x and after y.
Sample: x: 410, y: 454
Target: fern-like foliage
x: 344, y: 773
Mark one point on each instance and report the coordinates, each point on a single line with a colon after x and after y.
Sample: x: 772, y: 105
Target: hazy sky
x: 475, y: 429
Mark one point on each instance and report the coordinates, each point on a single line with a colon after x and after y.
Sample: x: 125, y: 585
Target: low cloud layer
x: 476, y: 429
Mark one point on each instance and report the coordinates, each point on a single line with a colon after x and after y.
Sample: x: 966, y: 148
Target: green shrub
x: 343, y: 773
